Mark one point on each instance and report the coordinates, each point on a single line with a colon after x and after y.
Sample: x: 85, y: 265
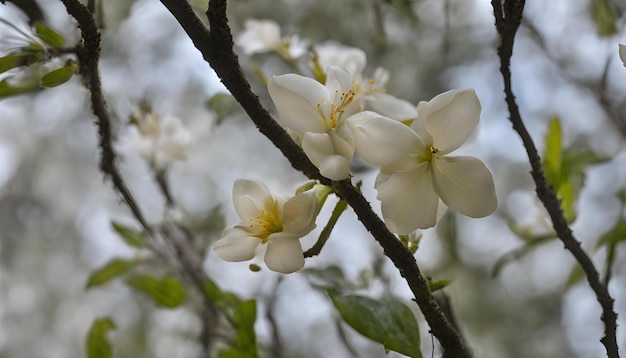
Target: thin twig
x: 508, y: 16
x: 88, y: 53
x: 216, y: 47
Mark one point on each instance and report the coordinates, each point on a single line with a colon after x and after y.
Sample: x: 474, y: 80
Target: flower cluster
x: 339, y: 112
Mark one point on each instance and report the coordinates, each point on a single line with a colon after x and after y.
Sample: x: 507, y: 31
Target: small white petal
x: 465, y: 185
x: 297, y: 98
x: 284, y: 253
x: 259, y: 36
x: 408, y: 201
x: 338, y: 80
x: 381, y: 141
x: 333, y: 54
x: 320, y: 149
x: 299, y: 213
x: 390, y: 106
x: 622, y: 53
x: 236, y: 245
x: 451, y: 117
x: 249, y: 197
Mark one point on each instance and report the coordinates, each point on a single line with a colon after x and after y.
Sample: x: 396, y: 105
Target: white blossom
x: 317, y: 113
x: 370, y: 93
x: 415, y: 168
x: 262, y: 36
x: 268, y: 222
x: 159, y: 140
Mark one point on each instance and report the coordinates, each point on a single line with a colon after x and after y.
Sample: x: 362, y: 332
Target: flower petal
x: 465, y: 185
x: 299, y: 213
x: 249, y: 197
x: 320, y: 150
x: 408, y: 200
x: 284, y: 253
x: 390, y: 106
x: 450, y: 118
x: 236, y: 245
x: 381, y: 141
x: 333, y: 54
x: 259, y: 36
x: 297, y: 98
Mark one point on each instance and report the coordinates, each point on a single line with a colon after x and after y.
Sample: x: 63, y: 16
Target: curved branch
x: 508, y: 17
x: 216, y: 47
x: 88, y: 53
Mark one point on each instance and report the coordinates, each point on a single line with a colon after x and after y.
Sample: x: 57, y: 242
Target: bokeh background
x: 56, y: 207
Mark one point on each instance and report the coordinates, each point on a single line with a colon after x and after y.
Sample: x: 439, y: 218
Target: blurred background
x: 514, y: 291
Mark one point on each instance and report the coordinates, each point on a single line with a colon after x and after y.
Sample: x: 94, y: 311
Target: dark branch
x: 216, y: 47
x: 88, y: 53
x: 508, y: 18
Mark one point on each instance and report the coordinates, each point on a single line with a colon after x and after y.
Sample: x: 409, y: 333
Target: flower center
x: 336, y: 109
x: 265, y: 224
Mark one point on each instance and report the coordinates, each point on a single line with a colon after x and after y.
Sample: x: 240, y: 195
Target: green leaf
x: 97, y: 344
x: 58, y: 77
x: 132, y: 237
x: 387, y: 321
x: 244, y: 344
x: 167, y: 292
x: 615, y: 235
x: 604, y: 17
x: 438, y: 285
x: 7, y: 90
x: 111, y: 270
x: 552, y: 157
x: 218, y: 297
x: 223, y: 105
x: 9, y: 61
x: 48, y: 35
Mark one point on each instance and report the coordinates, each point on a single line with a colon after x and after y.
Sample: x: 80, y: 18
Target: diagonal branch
x: 216, y: 47
x: 88, y: 53
x: 508, y: 14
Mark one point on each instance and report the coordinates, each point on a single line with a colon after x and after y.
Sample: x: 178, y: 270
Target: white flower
x: 264, y: 36
x: 415, y: 169
x: 159, y: 140
x: 370, y: 93
x: 317, y: 114
x: 622, y: 53
x: 269, y: 221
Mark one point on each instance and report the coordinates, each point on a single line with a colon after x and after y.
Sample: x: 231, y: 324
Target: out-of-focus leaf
x: 48, y: 35
x: 223, y: 105
x: 552, y: 160
x: 575, y: 276
x: 218, y: 297
x: 387, y: 321
x: 58, y: 77
x: 98, y: 345
x: 166, y: 292
x: 438, y: 285
x: 604, y: 16
x: 244, y: 344
x: 531, y: 242
x: 132, y: 237
x: 7, y: 90
x: 405, y: 7
x: 327, y: 278
x: 111, y: 270
x: 615, y: 235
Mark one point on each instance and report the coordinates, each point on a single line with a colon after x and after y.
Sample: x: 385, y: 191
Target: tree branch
x: 508, y: 16
x: 216, y: 47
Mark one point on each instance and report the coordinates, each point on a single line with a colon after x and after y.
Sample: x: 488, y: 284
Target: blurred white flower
x: 159, y: 140
x: 264, y: 35
x: 622, y: 53
x: 268, y: 222
x: 317, y: 114
x: 370, y: 93
x: 415, y: 170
